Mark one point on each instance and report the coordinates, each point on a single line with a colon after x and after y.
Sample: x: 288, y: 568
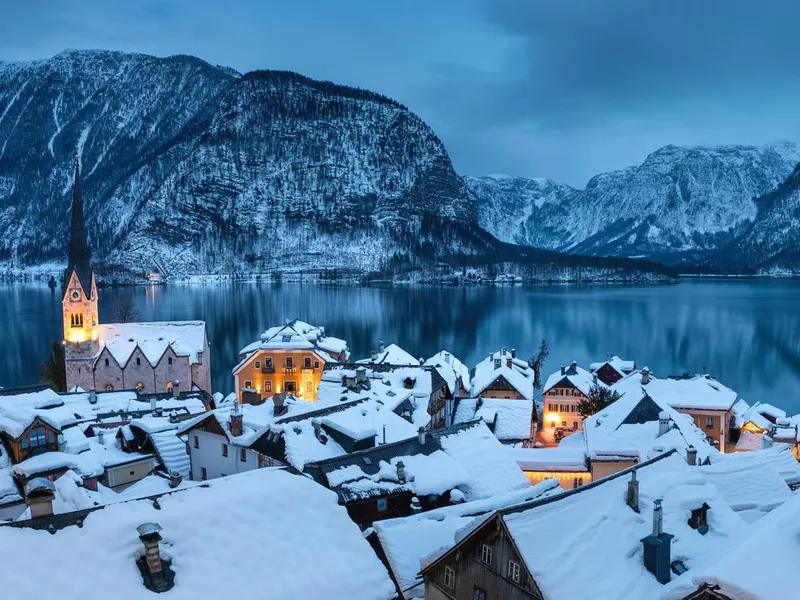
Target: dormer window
x: 699, y: 519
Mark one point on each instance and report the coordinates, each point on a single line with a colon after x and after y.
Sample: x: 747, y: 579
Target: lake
x: 744, y: 332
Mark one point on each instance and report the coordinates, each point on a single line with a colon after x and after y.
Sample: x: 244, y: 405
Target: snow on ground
x: 229, y: 538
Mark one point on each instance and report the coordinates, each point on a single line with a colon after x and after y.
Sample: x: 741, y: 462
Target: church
x: 150, y: 357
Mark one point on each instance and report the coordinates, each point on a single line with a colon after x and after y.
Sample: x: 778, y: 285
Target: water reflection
x: 745, y: 332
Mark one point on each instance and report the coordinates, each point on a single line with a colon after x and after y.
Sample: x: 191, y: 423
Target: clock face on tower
x: 75, y: 295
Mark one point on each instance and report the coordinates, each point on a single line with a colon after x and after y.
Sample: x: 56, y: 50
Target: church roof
x: 186, y: 338
x: 80, y: 257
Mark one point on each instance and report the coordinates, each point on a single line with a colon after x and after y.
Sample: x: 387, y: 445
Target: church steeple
x: 79, y: 256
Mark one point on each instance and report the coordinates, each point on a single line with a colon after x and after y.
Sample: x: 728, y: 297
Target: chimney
x: 237, y: 425
x: 508, y: 363
x: 381, y: 347
x: 100, y: 437
x: 92, y: 397
x: 645, y: 376
x: 319, y: 434
x: 153, y: 403
x: 594, y: 378
x: 39, y: 496
x: 416, y: 506
x: 691, y: 455
x: 574, y: 367
x: 156, y: 578
x: 447, y: 357
x: 496, y: 363
x: 563, y: 370
x: 513, y: 353
x: 361, y: 375
x: 421, y: 435
x: 401, y: 471
x: 373, y: 355
x: 663, y: 423
x: 632, y: 497
x: 504, y: 350
x: 176, y: 388
x: 657, y: 547
x: 279, y: 408
x: 175, y: 478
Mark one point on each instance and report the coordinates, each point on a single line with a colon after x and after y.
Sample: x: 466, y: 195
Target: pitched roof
x: 451, y: 369
x: 208, y: 532
x: 185, y: 338
x: 519, y: 375
x: 700, y: 392
x: 295, y: 335
x: 391, y: 355
x: 579, y: 377
x: 623, y: 367
x: 509, y: 419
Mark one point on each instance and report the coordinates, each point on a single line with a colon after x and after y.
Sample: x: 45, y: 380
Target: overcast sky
x: 554, y: 88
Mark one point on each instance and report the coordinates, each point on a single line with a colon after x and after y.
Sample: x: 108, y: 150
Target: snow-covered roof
x: 629, y: 428
x: 186, y: 338
x: 558, y: 459
x: 763, y: 415
x: 594, y: 537
x: 391, y: 355
x: 451, y: 369
x: 208, y: 533
x: 576, y: 375
x: 509, y: 419
x: 519, y: 375
x: 623, y: 367
x: 700, y: 392
x: 406, y: 540
x: 761, y: 563
x: 296, y: 335
x: 779, y: 458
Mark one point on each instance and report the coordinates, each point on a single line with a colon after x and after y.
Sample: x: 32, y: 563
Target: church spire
x: 79, y: 256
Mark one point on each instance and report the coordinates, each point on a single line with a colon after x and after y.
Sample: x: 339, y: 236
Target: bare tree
x: 124, y: 310
x: 53, y: 371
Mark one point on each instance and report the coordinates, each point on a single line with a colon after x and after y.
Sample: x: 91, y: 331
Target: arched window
x: 109, y: 387
x: 169, y: 386
x: 76, y: 320
x: 138, y: 361
x: 169, y: 360
x: 139, y: 386
x: 106, y: 362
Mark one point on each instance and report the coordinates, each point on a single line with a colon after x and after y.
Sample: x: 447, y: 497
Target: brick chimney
x: 657, y: 547
x: 279, y: 409
x: 175, y: 478
x: 691, y: 455
x: 156, y: 577
x: 632, y: 497
x: 236, y: 424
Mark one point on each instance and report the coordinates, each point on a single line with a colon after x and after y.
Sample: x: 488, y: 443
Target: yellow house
x: 287, y: 359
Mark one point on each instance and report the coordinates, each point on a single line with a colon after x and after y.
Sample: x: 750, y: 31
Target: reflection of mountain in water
x: 747, y: 333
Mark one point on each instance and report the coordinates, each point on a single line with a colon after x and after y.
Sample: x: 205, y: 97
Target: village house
x: 612, y: 369
x: 150, y: 357
x: 702, y: 397
x: 287, y: 359
x: 649, y: 525
x: 391, y: 355
x: 46, y: 435
x: 511, y: 421
x: 565, y: 463
x: 225, y: 538
x: 502, y: 375
x: 563, y: 391
x: 431, y: 470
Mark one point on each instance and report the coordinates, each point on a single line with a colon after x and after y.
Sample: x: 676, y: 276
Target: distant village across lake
x: 409, y: 477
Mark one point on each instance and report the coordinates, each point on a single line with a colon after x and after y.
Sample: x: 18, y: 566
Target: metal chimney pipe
x: 658, y: 518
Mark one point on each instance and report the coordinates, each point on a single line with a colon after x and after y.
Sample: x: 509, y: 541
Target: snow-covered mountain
x: 679, y: 206
x: 198, y: 169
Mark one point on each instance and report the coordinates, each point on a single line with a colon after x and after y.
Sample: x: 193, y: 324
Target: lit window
x: 486, y: 554
x: 449, y: 578
x: 267, y: 386
x: 709, y: 422
x: 290, y: 387
x: 563, y: 423
x: 139, y: 386
x: 478, y: 593
x: 109, y: 387
x: 316, y: 364
x: 203, y: 473
x: 258, y: 364
x: 307, y: 362
x: 268, y: 362
x: 289, y: 362
x: 577, y: 482
x: 196, y: 442
x: 243, y: 454
x: 248, y: 385
x: 224, y: 449
x: 381, y: 504
x: 513, y: 571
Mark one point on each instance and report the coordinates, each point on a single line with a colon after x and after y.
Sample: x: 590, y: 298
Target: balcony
x: 289, y: 370
x: 268, y: 370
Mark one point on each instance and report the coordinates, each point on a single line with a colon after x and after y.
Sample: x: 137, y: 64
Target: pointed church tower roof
x: 79, y: 256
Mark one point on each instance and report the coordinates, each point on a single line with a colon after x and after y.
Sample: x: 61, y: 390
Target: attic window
x: 486, y: 554
x: 449, y: 578
x: 286, y: 339
x: 699, y: 519
x: 169, y: 360
x: 513, y: 571
x: 138, y: 361
x: 106, y: 361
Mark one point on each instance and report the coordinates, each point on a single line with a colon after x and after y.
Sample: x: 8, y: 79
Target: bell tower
x: 79, y: 304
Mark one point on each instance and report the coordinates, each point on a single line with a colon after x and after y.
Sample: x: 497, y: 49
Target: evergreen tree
x: 599, y: 398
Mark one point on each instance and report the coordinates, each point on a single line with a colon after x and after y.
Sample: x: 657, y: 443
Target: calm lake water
x: 745, y: 332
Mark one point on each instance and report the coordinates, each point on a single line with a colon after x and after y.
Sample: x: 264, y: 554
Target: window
x: 563, y: 423
x: 258, y: 364
x: 109, y: 387
x: 37, y: 436
x: 224, y: 449
x: 709, y: 422
x: 243, y: 454
x: 139, y: 386
x: 286, y: 339
x: 289, y: 362
x: 577, y: 482
x: 106, y: 361
x: 268, y: 362
x: 307, y: 362
x: 478, y: 593
x: 267, y: 386
x: 513, y: 571
x: 316, y: 364
x: 381, y: 504
x: 203, y: 473
x: 169, y: 360
x: 196, y: 442
x: 138, y: 362
x: 76, y: 320
x: 449, y: 578
x: 574, y: 424
x: 290, y: 387
x: 248, y: 385
x: 486, y: 554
